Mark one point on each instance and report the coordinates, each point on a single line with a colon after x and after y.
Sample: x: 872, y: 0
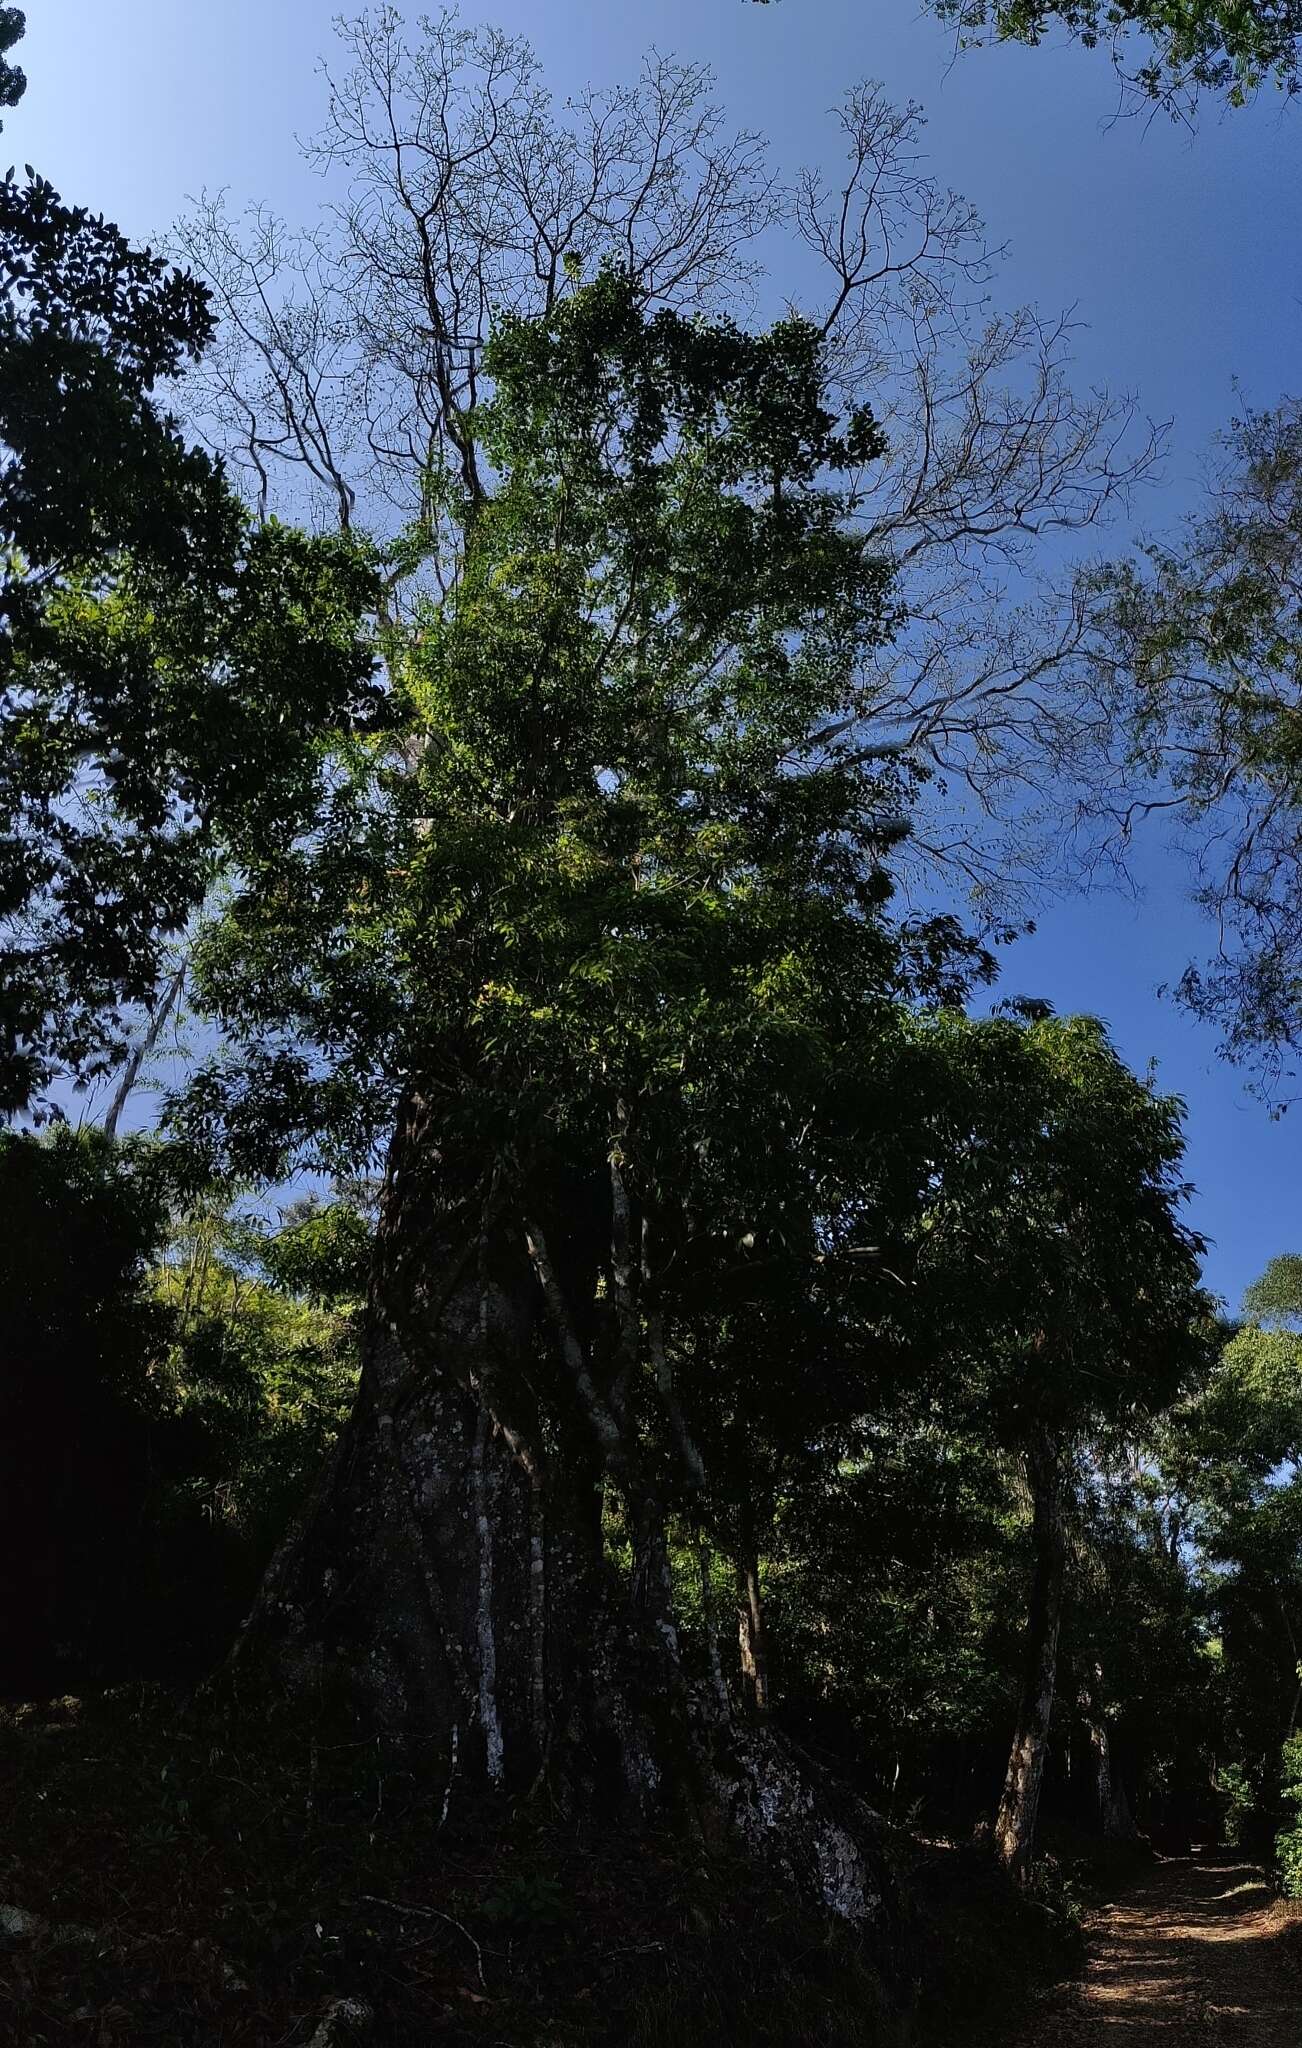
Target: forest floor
x: 1192, y: 1950
x: 163, y: 1881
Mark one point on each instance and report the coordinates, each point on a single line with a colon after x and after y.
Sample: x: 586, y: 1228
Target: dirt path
x: 1193, y: 1952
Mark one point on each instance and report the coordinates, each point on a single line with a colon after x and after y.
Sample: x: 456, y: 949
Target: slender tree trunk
x: 752, y: 1633
x: 1020, y: 1802
x: 1114, y: 1813
x: 131, y: 1071
x: 1297, y: 1667
x: 1109, y: 1799
x: 710, y: 1623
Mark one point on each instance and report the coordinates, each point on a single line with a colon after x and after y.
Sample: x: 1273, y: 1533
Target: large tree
x: 591, y: 930
x: 601, y: 922
x: 610, y: 905
x: 1065, y: 1291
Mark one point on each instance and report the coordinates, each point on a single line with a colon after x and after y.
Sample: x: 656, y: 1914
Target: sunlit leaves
x: 1227, y: 47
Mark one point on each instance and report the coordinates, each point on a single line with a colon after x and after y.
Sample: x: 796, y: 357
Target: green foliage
x: 1228, y: 47
x: 620, y: 847
x: 1044, y: 1282
x: 321, y: 1253
x: 89, y: 327
x: 260, y: 1377
x: 166, y: 669
x: 1228, y: 1456
x: 152, y: 725
x: 83, y: 1218
x: 162, y: 1409
x: 1199, y: 658
x: 1135, y: 1641
x: 1277, y: 1296
x: 1240, y: 1801
x: 1052, y: 1255
x: 898, y: 1629
x: 1288, y: 1843
x: 1288, y: 1855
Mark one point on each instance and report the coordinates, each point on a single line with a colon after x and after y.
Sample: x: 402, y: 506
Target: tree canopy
x: 166, y: 665
x: 1230, y: 48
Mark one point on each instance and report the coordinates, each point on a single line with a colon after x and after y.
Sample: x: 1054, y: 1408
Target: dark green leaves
x: 1054, y: 1241
x: 88, y: 326
x: 13, y: 80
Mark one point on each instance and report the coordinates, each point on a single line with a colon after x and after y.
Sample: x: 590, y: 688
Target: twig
x: 432, y: 1913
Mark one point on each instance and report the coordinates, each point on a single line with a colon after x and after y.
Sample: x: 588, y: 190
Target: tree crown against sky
x: 163, y: 665
x: 348, y: 354
x: 1060, y: 1208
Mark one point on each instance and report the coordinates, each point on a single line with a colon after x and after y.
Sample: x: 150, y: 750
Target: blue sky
x: 1182, y: 254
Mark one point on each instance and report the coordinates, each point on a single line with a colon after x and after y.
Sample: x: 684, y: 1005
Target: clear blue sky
x: 1184, y: 255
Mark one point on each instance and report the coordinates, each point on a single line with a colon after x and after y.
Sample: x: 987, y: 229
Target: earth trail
x: 1194, y: 1951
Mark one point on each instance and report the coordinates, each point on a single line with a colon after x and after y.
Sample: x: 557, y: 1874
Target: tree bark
x: 1019, y: 1804
x: 1291, y: 1633
x: 752, y: 1633
x: 447, y: 1585
x: 1110, y: 1801
x: 1113, y: 1804
x: 435, y: 1583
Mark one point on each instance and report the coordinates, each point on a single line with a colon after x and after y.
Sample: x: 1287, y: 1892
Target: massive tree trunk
x: 447, y: 1581
x: 1020, y: 1802
x: 449, y: 1584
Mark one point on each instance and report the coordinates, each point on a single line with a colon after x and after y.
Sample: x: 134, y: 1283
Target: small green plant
x: 1051, y: 1894
x: 1235, y: 1789
x: 1288, y: 1855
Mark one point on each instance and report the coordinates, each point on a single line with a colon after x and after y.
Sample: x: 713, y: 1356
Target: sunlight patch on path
x: 1193, y: 1952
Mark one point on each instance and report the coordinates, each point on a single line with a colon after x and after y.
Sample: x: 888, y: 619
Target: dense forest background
x: 557, y: 1330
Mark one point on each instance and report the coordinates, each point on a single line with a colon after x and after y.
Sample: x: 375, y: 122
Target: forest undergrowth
x: 162, y: 1882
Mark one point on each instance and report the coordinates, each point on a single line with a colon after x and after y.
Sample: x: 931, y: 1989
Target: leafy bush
x: 1288, y: 1843
x: 1239, y: 1802
x: 263, y: 1360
